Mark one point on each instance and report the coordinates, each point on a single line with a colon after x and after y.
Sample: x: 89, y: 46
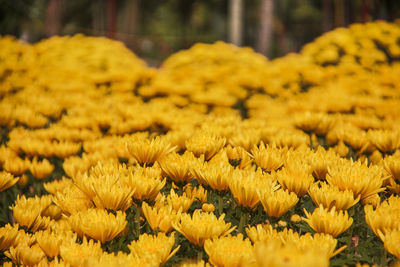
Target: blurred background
x: 154, y: 29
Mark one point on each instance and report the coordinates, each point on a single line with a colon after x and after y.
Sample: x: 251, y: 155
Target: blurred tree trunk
x: 99, y: 17
x: 236, y: 22
x: 128, y: 24
x: 111, y: 18
x: 339, y: 13
x: 265, y: 33
x: 364, y: 11
x: 53, y: 17
x: 326, y: 15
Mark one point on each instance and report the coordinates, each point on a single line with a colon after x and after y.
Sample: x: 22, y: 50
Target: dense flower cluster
x: 219, y: 152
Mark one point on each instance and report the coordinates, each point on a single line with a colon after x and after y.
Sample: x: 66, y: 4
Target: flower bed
x: 218, y: 157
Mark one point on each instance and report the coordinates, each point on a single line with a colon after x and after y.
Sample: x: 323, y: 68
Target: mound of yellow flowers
x: 219, y: 157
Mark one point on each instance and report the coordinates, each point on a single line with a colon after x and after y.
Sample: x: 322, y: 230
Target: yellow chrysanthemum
x: 177, y: 167
x: 356, y: 176
x: 328, y: 221
x: 278, y: 202
x: 27, y: 212
x: 50, y: 242
x: 230, y: 251
x: 25, y: 255
x: 8, y: 234
x: 330, y: 195
x: 148, y: 151
x: 178, y: 203
x: 98, y: 224
x: 57, y: 185
x: 196, y: 193
x: 391, y: 241
x: 40, y: 170
x: 71, y: 200
x: 295, y: 177
x: 205, y: 143
x: 160, y: 217
x: 7, y: 180
x: 274, y: 253
x: 75, y: 254
x: 202, y: 226
x: 392, y: 166
x: 268, y: 158
x: 212, y: 175
x: 244, y: 185
x: 120, y: 259
x: 159, y: 246
x: 146, y: 188
x: 385, y: 217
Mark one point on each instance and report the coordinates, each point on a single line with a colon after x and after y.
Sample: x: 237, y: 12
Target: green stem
x: 243, y: 221
x: 200, y: 255
x: 220, y: 204
x: 384, y: 258
x: 137, y: 219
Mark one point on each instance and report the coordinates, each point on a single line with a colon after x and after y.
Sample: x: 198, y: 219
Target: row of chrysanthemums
x: 219, y: 157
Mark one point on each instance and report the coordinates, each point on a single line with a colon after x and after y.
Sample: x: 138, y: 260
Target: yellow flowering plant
x: 211, y: 158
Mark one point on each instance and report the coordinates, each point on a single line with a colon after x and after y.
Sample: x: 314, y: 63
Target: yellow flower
x: 40, y: 170
x: 205, y: 143
x: 208, y: 207
x: 75, y: 254
x: 202, y: 226
x: 111, y: 193
x: 356, y: 176
x: 230, y: 251
x: 98, y: 224
x: 119, y: 259
x: 295, y: 218
x: 276, y: 254
x: 25, y: 255
x: 178, y: 203
x: 278, y: 202
x: 310, y: 122
x: 330, y: 195
x: 148, y: 151
x: 71, y: 200
x: 328, y: 221
x: 238, y: 156
x: 16, y: 165
x: 212, y: 175
x: 320, y: 160
x: 196, y: 193
x: 260, y: 232
x: 52, y: 211
x: 295, y: 177
x: 159, y: 246
x: 146, y: 188
x: 8, y: 234
x: 244, y: 186
x: 27, y: 212
x: 7, y: 180
x: 57, y: 185
x: 374, y: 200
x: 177, y: 167
x: 160, y: 217
x: 385, y: 140
x: 385, y: 217
x: 50, y: 242
x: 392, y: 166
x: 193, y: 263
x: 391, y: 241
x: 268, y: 158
